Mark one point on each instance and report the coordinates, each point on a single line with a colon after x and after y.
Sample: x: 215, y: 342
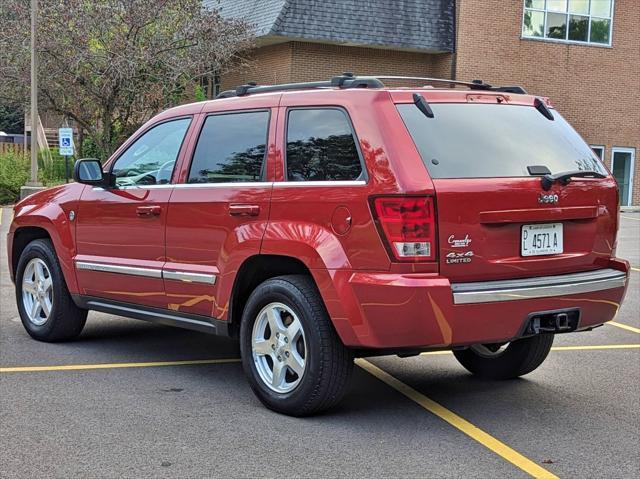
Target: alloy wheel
x: 279, y: 347
x: 37, y: 291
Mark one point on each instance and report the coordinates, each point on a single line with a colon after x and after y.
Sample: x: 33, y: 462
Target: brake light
x: 408, y: 226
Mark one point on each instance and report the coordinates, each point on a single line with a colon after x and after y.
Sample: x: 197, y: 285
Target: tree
x: 11, y: 119
x: 109, y: 65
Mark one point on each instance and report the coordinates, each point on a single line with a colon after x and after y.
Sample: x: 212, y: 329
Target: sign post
x: 65, y: 145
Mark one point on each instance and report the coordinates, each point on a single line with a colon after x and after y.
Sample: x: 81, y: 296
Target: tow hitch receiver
x: 559, y: 321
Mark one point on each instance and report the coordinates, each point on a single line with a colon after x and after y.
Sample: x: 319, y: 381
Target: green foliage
x: 14, y: 172
x: 53, y: 173
x: 91, y: 150
x: 11, y: 119
x: 199, y: 93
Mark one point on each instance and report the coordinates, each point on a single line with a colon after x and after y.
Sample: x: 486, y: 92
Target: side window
x: 321, y: 146
x: 151, y: 158
x: 231, y: 148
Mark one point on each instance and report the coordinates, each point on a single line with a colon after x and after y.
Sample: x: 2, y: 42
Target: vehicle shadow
x: 447, y: 383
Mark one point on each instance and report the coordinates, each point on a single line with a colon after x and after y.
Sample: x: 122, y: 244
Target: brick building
x: 583, y: 54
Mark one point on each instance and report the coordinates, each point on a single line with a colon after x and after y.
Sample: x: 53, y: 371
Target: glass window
x: 599, y: 151
x: 557, y: 5
x: 579, y: 6
x: 321, y: 146
x: 231, y: 148
x: 578, y: 28
x: 151, y: 158
x: 556, y: 26
x: 600, y: 30
x: 490, y: 140
x: 533, y: 25
x: 582, y: 21
x: 601, y: 8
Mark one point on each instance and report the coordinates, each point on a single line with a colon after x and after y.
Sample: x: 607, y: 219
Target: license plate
x: 537, y: 240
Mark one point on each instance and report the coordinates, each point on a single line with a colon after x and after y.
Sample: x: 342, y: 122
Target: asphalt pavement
x: 131, y: 399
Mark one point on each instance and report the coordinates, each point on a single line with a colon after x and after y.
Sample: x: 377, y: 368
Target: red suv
x: 322, y: 221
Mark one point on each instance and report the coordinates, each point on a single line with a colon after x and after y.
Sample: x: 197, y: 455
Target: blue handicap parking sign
x: 65, y: 141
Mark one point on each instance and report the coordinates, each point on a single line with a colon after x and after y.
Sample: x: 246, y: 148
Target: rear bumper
x: 398, y: 311
x: 542, y: 287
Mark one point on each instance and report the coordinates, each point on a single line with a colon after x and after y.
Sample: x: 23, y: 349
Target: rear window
x: 489, y: 140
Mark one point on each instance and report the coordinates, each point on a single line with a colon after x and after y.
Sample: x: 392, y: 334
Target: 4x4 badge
x: 546, y: 199
x: 457, y: 258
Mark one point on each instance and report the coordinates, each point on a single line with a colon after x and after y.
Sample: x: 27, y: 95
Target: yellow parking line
x: 630, y: 217
x: 624, y: 326
x: 81, y: 367
x: 78, y: 367
x: 635, y: 269
x: 475, y: 433
x: 594, y: 347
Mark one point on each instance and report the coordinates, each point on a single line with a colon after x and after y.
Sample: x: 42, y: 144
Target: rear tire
x: 517, y: 359
x: 285, y: 327
x: 46, y: 308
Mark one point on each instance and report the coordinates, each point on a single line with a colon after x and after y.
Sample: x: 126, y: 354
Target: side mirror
x: 89, y: 172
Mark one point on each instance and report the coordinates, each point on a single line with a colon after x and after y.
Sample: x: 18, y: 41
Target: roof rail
x: 473, y: 85
x: 348, y: 80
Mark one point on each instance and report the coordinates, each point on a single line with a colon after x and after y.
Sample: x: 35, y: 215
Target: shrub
x: 14, y: 173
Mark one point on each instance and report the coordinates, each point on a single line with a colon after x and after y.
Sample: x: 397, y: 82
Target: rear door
x: 218, y: 214
x: 495, y: 220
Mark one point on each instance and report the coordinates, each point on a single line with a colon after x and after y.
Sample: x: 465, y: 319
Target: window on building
x: 210, y: 85
x: 599, y: 151
x: 231, y: 148
x: 583, y: 21
x: 321, y: 146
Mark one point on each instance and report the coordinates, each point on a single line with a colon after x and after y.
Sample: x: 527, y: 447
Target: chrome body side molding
x: 186, y: 276
x: 541, y: 287
x: 189, y: 277
x: 119, y: 269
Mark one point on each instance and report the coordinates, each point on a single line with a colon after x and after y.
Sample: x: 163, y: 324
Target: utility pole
x: 34, y: 94
x: 33, y: 185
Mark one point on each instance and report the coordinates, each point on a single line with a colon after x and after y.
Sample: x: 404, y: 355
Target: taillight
x: 408, y: 225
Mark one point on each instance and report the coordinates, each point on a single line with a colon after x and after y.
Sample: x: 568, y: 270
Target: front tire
x: 46, y: 308
x: 291, y: 354
x: 493, y: 361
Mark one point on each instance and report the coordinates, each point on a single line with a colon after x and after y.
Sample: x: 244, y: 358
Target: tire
x: 327, y: 363
x: 64, y: 320
x: 517, y: 359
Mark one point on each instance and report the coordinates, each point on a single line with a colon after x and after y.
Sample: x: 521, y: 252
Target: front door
x: 218, y: 215
x: 622, y: 160
x: 120, y: 230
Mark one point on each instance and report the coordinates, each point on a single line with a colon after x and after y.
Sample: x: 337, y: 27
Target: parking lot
x: 131, y: 399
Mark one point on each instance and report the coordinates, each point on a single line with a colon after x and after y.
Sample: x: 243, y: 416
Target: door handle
x: 148, y: 210
x: 244, y: 210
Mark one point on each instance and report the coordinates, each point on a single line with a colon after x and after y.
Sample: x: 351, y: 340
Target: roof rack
x: 348, y: 80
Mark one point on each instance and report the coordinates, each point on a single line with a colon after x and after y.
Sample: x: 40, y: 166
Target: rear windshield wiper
x: 564, y: 177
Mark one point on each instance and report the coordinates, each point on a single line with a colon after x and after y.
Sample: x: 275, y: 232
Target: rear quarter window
x: 465, y: 140
x: 321, y: 146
